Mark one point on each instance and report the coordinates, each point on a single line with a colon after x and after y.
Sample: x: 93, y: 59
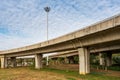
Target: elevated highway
x: 100, y: 37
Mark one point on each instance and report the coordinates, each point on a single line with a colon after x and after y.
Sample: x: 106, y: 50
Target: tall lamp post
x: 47, y: 10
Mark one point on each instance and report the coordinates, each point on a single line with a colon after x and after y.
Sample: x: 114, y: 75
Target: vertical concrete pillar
x: 13, y: 62
x: 21, y: 62
x: 101, y: 59
x: 38, y: 61
x: 47, y: 61
x: 71, y: 60
x: 66, y: 60
x: 3, y: 62
x: 25, y: 62
x: 109, y: 59
x: 84, y: 61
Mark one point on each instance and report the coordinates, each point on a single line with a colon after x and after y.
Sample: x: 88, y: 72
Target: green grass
x: 91, y: 76
x: 114, y: 67
x: 10, y: 74
x: 70, y: 78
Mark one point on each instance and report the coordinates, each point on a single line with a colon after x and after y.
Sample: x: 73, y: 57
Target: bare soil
x: 28, y: 74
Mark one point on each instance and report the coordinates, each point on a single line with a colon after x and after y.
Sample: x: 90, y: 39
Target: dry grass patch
x: 28, y: 74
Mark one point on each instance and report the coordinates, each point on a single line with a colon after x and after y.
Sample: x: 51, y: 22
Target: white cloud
x: 26, y: 19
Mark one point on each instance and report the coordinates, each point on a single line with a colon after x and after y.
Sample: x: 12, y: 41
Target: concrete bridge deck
x: 97, y: 30
x: 100, y: 37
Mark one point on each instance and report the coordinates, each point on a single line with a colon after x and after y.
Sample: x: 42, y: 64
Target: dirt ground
x: 27, y: 74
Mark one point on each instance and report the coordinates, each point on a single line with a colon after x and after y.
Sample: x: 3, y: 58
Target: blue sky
x: 23, y: 22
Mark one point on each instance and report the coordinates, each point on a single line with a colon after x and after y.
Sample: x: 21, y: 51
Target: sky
x: 23, y: 22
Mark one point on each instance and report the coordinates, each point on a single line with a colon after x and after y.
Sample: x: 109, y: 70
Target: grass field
x: 27, y: 73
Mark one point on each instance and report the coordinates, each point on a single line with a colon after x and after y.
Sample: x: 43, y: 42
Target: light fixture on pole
x: 47, y: 10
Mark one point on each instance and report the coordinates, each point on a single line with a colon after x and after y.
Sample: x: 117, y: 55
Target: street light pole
x: 47, y: 10
x: 47, y: 25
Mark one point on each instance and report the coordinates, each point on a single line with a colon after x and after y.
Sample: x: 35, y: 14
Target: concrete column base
x: 4, y: 62
x: 71, y: 60
x: 102, y: 60
x: 38, y: 61
x: 66, y: 60
x: 47, y: 60
x: 84, y: 61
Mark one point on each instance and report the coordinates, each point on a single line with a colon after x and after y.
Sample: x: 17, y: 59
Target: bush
x: 94, y: 59
x: 116, y: 60
x: 114, y: 67
x: 76, y: 59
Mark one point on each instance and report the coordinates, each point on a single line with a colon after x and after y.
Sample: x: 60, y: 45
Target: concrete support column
x: 47, y: 60
x: 66, y: 60
x: 25, y: 62
x: 101, y: 59
x: 4, y: 62
x: 84, y: 61
x: 13, y: 61
x: 21, y: 62
x: 71, y: 60
x: 38, y: 61
x: 109, y: 59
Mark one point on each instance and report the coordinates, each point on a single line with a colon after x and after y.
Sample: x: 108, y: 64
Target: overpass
x: 101, y: 37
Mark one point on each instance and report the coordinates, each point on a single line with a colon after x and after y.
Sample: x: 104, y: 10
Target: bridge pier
x: 38, y: 61
x: 84, y: 61
x: 101, y: 59
x: 4, y: 62
x: 47, y: 60
x: 66, y: 60
x: 105, y: 60
x: 13, y: 61
x: 71, y: 60
x: 24, y: 62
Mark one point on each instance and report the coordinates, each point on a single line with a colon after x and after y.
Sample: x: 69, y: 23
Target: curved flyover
x: 100, y: 37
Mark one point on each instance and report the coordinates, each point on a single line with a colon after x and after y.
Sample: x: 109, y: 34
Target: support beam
x: 13, y: 62
x: 4, y: 62
x: 38, y: 61
x: 84, y: 61
x: 101, y: 59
